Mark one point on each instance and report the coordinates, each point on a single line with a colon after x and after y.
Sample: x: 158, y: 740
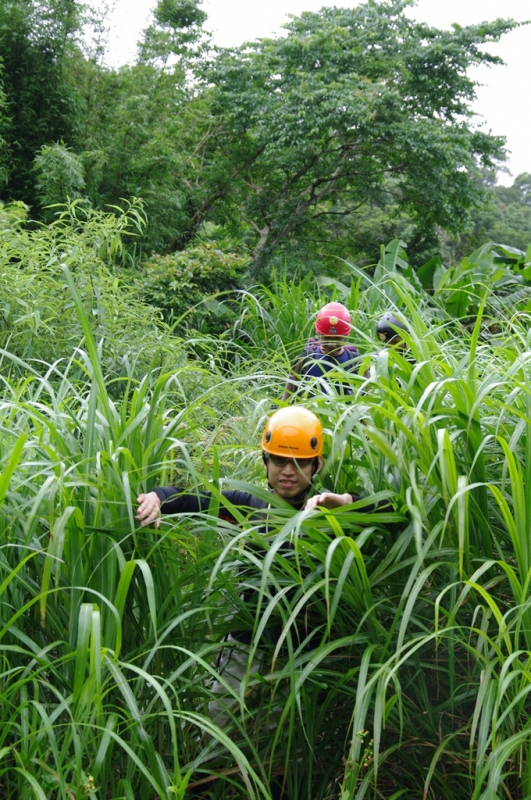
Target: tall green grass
x: 396, y: 645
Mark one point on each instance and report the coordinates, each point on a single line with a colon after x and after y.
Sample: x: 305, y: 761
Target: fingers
x: 328, y: 500
x: 319, y: 500
x: 148, y: 511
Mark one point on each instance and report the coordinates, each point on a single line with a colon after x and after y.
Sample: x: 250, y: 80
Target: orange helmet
x: 333, y: 320
x: 293, y: 432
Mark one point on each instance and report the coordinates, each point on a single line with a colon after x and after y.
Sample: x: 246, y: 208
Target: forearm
x: 168, y: 500
x: 331, y: 500
x: 173, y: 501
x: 292, y: 386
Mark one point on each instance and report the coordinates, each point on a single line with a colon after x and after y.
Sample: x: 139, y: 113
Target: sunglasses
x: 281, y: 461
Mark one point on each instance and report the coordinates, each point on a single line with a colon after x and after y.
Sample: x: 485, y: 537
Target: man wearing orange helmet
x: 292, y: 446
x: 329, y: 353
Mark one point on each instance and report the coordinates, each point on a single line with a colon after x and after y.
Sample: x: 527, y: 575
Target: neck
x: 299, y: 500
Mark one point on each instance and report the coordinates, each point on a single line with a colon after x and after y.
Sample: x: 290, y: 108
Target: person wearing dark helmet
x: 328, y: 353
x: 389, y: 328
x: 292, y: 447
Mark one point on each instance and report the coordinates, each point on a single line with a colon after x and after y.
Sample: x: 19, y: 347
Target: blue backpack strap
x: 312, y: 350
x: 352, y: 351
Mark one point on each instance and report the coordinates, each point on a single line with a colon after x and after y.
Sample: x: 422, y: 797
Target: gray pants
x: 232, y: 667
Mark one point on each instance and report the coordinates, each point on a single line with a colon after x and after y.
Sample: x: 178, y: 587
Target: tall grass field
x: 401, y: 667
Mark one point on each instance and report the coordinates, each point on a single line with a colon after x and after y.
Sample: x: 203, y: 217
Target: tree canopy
x: 38, y: 49
x: 313, y: 125
x: 286, y: 147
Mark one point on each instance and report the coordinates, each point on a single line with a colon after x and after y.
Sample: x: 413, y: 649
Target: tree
x: 519, y: 192
x: 176, y: 30
x: 504, y: 217
x: 4, y: 144
x: 139, y: 139
x: 142, y: 123
x: 292, y: 145
x: 38, y: 46
x: 311, y: 126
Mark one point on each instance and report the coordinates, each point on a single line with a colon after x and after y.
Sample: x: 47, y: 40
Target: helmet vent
x: 268, y: 436
x: 313, y: 443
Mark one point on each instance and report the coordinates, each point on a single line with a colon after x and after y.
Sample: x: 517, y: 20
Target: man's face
x: 331, y: 344
x: 289, y: 477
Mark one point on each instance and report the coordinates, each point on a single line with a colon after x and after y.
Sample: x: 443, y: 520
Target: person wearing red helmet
x: 329, y: 353
x: 333, y: 321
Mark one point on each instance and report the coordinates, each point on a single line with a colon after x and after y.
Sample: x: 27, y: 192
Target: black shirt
x: 172, y: 502
x: 175, y: 503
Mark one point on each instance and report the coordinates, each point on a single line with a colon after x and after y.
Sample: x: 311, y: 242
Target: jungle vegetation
x: 402, y: 667
x: 352, y: 129
x: 167, y: 232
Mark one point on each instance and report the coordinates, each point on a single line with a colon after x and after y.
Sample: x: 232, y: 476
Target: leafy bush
x: 183, y: 284
x: 60, y: 175
x: 37, y: 317
x: 494, y: 274
x: 13, y: 215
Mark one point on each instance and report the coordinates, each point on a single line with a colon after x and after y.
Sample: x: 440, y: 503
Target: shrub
x: 37, y: 318
x: 181, y: 283
x: 60, y: 175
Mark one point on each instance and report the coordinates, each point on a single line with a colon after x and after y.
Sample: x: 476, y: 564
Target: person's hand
x: 329, y: 500
x: 148, y: 511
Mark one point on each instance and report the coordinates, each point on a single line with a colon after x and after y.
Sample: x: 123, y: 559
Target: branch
x: 220, y: 191
x: 339, y: 213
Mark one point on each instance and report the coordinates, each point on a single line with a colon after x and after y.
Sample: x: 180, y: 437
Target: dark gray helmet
x: 389, y: 327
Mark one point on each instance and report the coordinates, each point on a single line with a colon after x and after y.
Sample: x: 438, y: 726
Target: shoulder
x: 312, y: 352
x: 350, y: 353
x: 298, y: 365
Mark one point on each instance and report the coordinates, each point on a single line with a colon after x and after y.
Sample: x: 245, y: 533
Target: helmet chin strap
x: 301, y: 497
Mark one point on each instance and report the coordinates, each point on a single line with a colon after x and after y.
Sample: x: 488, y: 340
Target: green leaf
x: 426, y: 273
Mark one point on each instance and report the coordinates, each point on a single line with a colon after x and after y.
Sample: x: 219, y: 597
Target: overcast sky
x: 502, y: 99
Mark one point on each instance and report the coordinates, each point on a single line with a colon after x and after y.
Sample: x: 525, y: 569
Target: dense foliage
x: 395, y: 646
x: 38, y: 319
x: 38, y: 55
x: 179, y: 284
x: 400, y: 663
x: 353, y: 128
x: 505, y: 217
x: 318, y: 121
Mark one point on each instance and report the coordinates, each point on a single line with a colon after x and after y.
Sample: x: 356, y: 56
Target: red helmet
x: 333, y: 320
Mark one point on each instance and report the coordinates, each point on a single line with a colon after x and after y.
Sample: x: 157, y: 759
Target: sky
x: 502, y: 103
